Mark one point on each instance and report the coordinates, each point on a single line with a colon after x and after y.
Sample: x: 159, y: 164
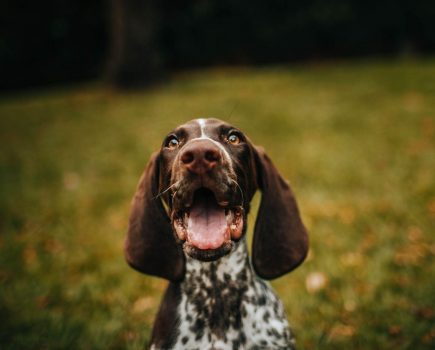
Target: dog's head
x: 194, y: 197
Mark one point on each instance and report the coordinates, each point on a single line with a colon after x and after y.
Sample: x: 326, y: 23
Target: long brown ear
x: 280, y: 240
x: 150, y: 245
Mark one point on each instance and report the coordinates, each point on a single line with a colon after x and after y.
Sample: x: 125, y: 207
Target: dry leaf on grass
x: 143, y: 304
x: 316, y: 281
x: 341, y: 331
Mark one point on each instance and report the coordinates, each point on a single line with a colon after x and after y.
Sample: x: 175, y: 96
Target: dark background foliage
x: 51, y: 41
x: 137, y: 42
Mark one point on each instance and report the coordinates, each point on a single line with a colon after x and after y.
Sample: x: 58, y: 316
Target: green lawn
x: 356, y: 139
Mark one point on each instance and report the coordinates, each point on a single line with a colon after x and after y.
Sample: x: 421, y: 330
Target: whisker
x: 163, y: 192
x: 240, y: 189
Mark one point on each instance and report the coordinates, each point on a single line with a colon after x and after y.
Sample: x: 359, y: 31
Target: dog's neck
x: 213, y: 293
x: 235, y: 267
x: 225, y: 305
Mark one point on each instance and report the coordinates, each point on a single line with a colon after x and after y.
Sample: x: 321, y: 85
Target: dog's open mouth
x: 208, y: 228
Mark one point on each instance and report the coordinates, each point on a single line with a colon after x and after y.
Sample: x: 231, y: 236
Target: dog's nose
x: 200, y: 156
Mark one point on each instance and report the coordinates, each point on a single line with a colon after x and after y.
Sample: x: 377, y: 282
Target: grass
x: 356, y: 139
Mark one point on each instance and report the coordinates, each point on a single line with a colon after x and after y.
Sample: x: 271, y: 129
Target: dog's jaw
x: 207, y: 229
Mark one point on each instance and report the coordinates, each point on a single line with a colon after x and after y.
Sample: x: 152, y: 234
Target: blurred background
x: 340, y: 93
x: 135, y: 43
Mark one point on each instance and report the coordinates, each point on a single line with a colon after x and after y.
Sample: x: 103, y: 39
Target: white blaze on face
x: 202, y: 125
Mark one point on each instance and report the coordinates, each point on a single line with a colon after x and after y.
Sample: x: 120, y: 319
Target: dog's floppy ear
x: 150, y: 245
x: 280, y: 241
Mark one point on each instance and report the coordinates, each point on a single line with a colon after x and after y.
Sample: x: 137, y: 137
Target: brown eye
x: 233, y: 138
x: 172, y: 142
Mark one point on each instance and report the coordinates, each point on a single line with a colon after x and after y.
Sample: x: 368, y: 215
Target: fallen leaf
x: 143, y: 304
x: 429, y: 337
x: 352, y: 259
x: 341, y: 331
x: 29, y: 256
x: 415, y: 234
x: 350, y: 305
x: 347, y: 215
x: 315, y: 282
x: 425, y: 313
x: 395, y: 330
x: 410, y: 254
x: 71, y: 181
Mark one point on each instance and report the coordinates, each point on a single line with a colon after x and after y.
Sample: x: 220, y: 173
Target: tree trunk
x: 134, y: 59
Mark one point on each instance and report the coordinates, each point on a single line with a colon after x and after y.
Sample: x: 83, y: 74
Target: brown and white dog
x: 188, y: 224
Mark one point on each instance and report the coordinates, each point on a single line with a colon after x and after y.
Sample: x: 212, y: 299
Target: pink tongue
x: 207, y: 226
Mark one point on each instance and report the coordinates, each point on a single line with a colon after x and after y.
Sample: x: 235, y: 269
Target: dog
x: 188, y: 225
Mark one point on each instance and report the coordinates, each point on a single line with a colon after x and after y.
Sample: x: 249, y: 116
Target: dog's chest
x: 225, y: 306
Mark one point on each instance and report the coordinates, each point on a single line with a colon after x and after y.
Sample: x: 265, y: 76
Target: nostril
x: 187, y: 157
x: 212, y: 155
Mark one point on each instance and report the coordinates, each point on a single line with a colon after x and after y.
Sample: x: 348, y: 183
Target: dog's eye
x: 233, y: 138
x: 172, y: 142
